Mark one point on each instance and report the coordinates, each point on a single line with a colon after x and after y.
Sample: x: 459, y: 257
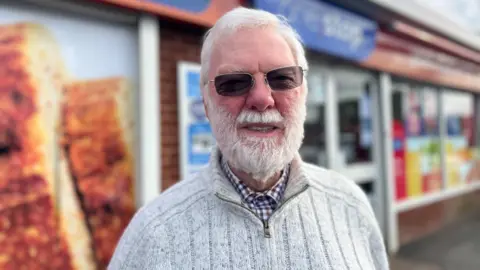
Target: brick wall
x: 418, y: 223
x: 177, y: 43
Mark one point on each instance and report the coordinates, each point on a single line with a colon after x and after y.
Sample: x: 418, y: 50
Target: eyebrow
x: 230, y: 69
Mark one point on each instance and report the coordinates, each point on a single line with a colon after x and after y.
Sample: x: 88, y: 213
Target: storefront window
x: 399, y: 139
x: 355, y: 116
x: 475, y: 171
x: 313, y: 149
x: 460, y: 142
x: 416, y: 142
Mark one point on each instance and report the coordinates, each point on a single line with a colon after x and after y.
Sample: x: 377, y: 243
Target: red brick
x: 177, y: 43
x: 418, y: 223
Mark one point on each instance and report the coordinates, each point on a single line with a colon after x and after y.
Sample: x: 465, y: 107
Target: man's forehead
x: 231, y: 68
x: 249, y: 51
x: 229, y: 61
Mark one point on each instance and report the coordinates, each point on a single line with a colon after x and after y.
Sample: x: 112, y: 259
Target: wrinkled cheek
x: 232, y: 105
x: 289, y: 104
x: 290, y: 109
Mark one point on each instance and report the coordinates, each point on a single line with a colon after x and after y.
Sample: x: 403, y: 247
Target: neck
x: 256, y: 184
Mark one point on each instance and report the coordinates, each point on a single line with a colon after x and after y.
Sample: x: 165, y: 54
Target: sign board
x: 325, y: 27
x: 201, y: 12
x: 196, y: 138
x: 416, y: 61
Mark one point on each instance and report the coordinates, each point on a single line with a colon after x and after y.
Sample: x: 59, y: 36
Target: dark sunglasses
x: 237, y: 84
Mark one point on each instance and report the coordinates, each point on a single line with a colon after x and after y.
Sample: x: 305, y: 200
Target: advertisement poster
x: 461, y: 158
x: 423, y: 161
x: 399, y: 160
x: 474, y: 174
x: 431, y: 150
x: 413, y: 130
x: 196, y: 138
x: 456, y: 146
x: 365, y: 115
x: 460, y: 145
x: 67, y: 169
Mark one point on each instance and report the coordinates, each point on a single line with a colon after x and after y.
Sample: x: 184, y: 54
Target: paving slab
x: 454, y: 248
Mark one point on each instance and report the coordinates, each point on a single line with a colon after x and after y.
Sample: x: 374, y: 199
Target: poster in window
x: 67, y: 130
x: 423, y: 162
x: 431, y: 156
x: 399, y: 160
x: 460, y: 140
x: 197, y: 140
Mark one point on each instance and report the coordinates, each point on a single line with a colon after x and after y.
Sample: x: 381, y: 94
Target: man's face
x: 260, y: 131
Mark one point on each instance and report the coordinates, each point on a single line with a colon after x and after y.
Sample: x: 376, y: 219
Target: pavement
x: 409, y: 264
x: 456, y: 247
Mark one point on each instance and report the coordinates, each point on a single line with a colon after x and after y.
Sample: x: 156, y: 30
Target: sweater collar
x: 297, y: 181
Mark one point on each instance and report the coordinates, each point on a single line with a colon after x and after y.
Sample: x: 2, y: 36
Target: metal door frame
x: 333, y: 134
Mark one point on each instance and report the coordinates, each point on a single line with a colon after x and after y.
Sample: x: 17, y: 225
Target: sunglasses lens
x: 285, y: 78
x: 233, y: 84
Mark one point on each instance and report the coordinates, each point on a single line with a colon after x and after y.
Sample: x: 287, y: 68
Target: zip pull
x: 266, y: 229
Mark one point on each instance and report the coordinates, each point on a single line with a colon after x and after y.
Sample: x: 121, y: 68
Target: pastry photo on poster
x: 67, y: 159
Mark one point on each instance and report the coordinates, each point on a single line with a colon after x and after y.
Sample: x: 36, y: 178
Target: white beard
x: 259, y: 157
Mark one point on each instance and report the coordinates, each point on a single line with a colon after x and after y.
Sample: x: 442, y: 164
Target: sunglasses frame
x: 253, y: 81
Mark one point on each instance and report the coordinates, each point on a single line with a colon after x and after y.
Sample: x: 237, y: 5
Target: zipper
x: 266, y: 227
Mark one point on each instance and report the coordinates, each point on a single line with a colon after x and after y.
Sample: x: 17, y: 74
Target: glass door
x: 342, y: 128
x: 355, y: 135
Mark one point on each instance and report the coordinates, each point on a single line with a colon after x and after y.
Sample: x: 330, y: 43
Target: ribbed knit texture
x: 324, y: 222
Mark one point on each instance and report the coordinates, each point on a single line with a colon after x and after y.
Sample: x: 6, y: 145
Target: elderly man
x: 256, y: 205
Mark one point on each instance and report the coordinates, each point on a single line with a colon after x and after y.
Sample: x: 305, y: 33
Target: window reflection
x: 313, y: 149
x: 355, y: 116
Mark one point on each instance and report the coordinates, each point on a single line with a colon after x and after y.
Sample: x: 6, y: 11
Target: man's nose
x: 260, y: 96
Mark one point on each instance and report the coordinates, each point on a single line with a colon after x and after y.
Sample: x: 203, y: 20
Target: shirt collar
x: 276, y: 192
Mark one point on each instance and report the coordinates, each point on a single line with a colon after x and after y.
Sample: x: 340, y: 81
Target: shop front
x: 430, y: 101
x: 396, y: 116
x: 395, y: 109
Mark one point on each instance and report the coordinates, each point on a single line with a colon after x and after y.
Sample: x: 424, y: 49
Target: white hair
x: 241, y: 18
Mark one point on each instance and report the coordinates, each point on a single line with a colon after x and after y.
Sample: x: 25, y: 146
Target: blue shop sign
x: 325, y: 27
x: 196, y: 6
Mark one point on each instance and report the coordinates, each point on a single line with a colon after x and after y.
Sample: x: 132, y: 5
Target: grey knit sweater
x: 324, y: 222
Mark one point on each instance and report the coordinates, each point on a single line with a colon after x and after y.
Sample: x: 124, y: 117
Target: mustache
x: 268, y: 117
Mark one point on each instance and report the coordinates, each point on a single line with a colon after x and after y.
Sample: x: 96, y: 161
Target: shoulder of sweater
x: 172, y: 202
x: 144, y: 226
x: 337, y: 185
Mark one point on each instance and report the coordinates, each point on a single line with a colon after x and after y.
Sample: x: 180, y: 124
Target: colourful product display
x: 418, y: 147
x: 399, y: 160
